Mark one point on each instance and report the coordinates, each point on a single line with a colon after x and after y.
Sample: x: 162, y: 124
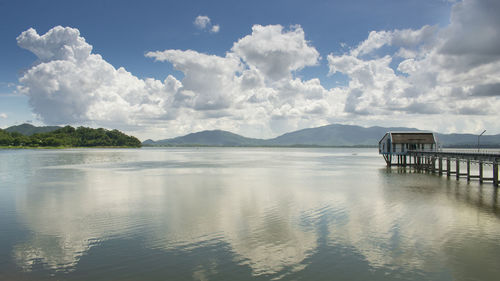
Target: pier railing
x: 488, y: 157
x: 426, y: 160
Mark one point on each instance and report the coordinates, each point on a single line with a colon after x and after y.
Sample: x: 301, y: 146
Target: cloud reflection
x: 268, y: 210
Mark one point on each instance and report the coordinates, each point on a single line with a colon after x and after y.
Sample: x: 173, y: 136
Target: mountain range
x: 329, y: 135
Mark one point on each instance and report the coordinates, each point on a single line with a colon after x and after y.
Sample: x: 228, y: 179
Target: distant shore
x: 265, y: 146
x: 61, y: 147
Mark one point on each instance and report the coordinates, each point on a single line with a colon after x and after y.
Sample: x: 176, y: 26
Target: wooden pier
x: 449, y: 163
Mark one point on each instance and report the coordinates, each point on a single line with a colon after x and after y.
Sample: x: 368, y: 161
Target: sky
x: 161, y: 69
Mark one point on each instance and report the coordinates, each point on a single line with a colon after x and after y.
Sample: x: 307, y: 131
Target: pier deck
x: 426, y: 160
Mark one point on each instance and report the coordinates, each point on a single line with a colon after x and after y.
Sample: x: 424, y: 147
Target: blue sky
x: 324, y: 48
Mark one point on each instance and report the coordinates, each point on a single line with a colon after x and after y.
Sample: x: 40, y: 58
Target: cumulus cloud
x: 276, y: 52
x: 4, y: 115
x: 254, y: 83
x: 72, y: 85
x: 209, y: 82
x: 204, y: 23
x: 395, y: 77
x: 239, y: 91
x: 406, y: 38
x: 57, y: 44
x: 473, y: 29
x: 450, y: 71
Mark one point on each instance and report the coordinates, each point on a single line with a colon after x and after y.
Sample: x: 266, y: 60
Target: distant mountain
x: 335, y: 135
x: 468, y: 140
x: 330, y: 135
x: 148, y: 142
x: 209, y: 138
x: 28, y: 129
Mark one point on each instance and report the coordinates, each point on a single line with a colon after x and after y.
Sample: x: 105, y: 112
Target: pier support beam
x: 495, y: 174
x: 424, y: 161
x: 448, y: 167
x: 468, y: 169
x: 480, y: 171
x: 440, y: 164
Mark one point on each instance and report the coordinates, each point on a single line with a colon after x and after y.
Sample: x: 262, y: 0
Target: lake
x: 239, y: 214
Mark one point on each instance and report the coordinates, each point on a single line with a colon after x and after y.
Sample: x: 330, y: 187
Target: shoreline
x: 63, y: 147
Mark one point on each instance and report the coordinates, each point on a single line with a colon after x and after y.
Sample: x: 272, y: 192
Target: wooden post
x: 440, y: 164
x: 448, y: 167
x: 457, y: 169
x: 495, y: 174
x: 468, y: 169
x: 480, y: 171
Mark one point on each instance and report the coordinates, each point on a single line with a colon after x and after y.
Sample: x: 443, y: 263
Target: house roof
x: 412, y: 137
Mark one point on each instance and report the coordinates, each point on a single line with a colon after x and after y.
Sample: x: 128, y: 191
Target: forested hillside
x: 70, y: 137
x: 28, y: 129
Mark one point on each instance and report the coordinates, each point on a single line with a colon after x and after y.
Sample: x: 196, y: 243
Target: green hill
x: 69, y: 137
x: 28, y: 129
x: 209, y: 138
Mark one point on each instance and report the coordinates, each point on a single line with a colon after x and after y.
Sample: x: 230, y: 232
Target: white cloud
x: 215, y: 28
x: 59, y: 43
x: 238, y: 92
x: 4, y: 115
x: 276, y: 52
x: 209, y: 81
x: 256, y: 89
x: 71, y: 85
x: 202, y: 22
x: 406, y: 38
x: 452, y: 71
x: 250, y: 88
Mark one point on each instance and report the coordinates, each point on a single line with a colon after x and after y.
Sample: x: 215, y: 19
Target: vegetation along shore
x: 68, y: 137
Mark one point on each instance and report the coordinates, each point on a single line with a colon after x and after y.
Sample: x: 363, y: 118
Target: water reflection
x: 424, y: 223
x: 276, y: 212
x: 255, y: 210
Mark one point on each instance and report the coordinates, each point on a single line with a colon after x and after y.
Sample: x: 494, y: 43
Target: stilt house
x: 398, y: 143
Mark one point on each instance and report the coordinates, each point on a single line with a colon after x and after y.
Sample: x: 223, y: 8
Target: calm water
x: 239, y: 214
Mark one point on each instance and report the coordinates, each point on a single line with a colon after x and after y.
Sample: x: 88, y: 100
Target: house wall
x: 399, y: 148
x: 382, y: 145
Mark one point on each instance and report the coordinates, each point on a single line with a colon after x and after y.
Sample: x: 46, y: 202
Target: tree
x: 71, y: 137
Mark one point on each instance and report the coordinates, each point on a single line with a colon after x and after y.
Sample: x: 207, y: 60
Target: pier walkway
x: 450, y: 163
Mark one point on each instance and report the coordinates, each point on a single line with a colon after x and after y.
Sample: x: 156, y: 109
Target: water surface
x: 239, y: 214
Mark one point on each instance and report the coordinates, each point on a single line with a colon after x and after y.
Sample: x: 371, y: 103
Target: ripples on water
x: 239, y: 214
